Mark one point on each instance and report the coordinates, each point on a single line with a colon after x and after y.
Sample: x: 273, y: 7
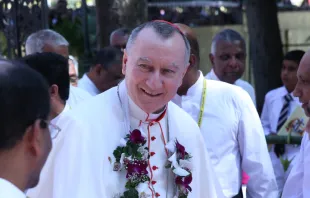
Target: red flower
x: 136, y: 168
x: 180, y: 150
x: 184, y: 181
x: 136, y: 137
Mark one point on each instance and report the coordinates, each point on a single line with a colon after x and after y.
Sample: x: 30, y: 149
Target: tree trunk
x: 113, y: 14
x: 265, y: 46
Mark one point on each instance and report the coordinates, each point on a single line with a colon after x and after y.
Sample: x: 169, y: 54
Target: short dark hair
x: 24, y: 98
x: 54, y: 68
x: 108, y: 56
x: 295, y: 55
x: 164, y: 29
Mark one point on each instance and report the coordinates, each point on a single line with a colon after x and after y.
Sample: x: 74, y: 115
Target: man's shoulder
x: 79, y: 92
x: 181, y: 118
x: 275, y: 93
x: 225, y: 89
x: 244, y: 84
x: 101, y: 103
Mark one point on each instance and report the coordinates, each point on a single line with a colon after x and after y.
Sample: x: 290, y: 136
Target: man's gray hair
x: 164, y: 29
x: 36, y: 41
x: 119, y: 32
x: 228, y: 35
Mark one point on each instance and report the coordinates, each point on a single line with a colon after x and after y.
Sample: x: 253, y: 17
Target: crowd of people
x: 144, y: 121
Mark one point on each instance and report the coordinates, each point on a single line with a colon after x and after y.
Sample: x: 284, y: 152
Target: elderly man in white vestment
x: 231, y: 129
x: 51, y: 41
x: 298, y: 182
x: 104, y: 152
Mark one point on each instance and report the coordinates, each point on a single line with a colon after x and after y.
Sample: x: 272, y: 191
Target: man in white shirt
x: 228, y: 59
x: 105, y: 73
x: 98, y: 161
x: 25, y: 139
x: 297, y: 184
x: 54, y: 68
x: 276, y: 110
x: 51, y: 41
x: 231, y: 129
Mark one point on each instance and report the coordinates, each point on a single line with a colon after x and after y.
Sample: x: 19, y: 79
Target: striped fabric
x: 284, y: 111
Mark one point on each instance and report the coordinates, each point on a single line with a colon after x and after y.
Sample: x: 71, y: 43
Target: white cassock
x: 9, y: 190
x: 234, y: 137
x: 76, y: 96
x: 240, y: 83
x: 274, y: 101
x: 298, y: 181
x: 87, y: 84
x: 47, y: 172
x: 93, y: 131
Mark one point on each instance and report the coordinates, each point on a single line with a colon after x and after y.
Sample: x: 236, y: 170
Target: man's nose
x: 234, y: 63
x: 154, y: 81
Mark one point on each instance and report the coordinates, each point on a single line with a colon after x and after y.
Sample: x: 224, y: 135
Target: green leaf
x: 131, y: 193
x: 118, y: 153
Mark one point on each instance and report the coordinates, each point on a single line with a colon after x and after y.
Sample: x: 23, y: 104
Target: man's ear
x: 211, y: 57
x: 192, y: 60
x: 33, y: 137
x: 98, y: 69
x: 125, y: 59
x: 54, y: 91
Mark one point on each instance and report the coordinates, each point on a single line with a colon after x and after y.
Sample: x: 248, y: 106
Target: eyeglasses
x: 54, y: 130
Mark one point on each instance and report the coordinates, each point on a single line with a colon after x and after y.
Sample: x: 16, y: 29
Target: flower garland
x: 133, y: 156
x: 181, y: 166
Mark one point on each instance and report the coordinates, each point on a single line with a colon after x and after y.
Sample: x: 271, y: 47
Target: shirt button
x: 154, y: 182
x: 152, y: 153
x: 154, y: 168
x: 153, y: 138
x: 157, y: 194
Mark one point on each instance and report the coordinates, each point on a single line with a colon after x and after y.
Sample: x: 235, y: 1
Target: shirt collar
x: 197, y: 87
x: 67, y: 107
x: 91, y: 84
x: 9, y: 190
x: 136, y: 112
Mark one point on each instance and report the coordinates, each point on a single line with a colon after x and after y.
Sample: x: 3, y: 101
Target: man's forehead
x: 153, y: 61
x: 230, y: 45
x: 304, y: 66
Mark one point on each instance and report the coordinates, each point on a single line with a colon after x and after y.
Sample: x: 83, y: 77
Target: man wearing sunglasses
x: 54, y: 68
x: 25, y: 141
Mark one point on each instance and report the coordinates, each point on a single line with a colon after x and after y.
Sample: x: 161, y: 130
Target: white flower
x: 177, y: 168
x: 173, y: 160
x: 141, y: 188
x: 122, y: 158
x: 186, y: 164
x: 180, y: 172
x: 123, y: 142
x: 171, y: 146
x: 144, y: 152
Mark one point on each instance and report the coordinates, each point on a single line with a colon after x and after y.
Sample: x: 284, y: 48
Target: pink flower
x: 180, y: 150
x: 184, y: 182
x: 136, y: 168
x: 136, y: 137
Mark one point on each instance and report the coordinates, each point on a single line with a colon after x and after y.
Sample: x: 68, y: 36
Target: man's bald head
x: 192, y: 38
